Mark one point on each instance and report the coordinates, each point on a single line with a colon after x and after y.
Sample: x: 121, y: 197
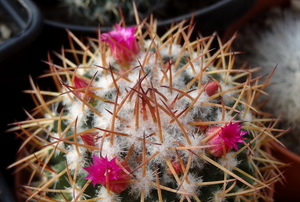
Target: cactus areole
x: 142, y: 117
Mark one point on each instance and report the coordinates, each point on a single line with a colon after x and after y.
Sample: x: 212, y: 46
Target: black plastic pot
x: 215, y: 17
x: 24, y: 20
x: 5, y: 192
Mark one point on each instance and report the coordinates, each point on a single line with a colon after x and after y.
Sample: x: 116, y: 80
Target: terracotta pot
x: 288, y: 189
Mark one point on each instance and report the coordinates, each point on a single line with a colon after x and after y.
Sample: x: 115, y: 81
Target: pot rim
x: 276, y: 147
x: 30, y: 26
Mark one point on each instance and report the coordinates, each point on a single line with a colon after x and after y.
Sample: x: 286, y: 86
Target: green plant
x: 108, y: 12
x: 160, y: 118
x: 111, y: 11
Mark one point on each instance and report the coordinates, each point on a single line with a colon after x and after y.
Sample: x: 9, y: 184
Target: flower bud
x: 89, y: 138
x: 81, y: 84
x: 211, y: 88
x: 176, y: 166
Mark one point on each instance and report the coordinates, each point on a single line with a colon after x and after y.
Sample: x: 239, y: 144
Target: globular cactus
x: 142, y: 117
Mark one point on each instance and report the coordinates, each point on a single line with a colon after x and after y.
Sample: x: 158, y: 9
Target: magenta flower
x: 225, y: 140
x: 108, y: 173
x: 122, y: 43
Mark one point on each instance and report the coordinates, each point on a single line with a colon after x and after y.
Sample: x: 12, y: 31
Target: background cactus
x: 160, y: 118
x: 261, y: 50
x: 109, y: 12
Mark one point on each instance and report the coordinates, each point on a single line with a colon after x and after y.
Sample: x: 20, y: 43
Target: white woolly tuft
x: 75, y: 191
x: 189, y: 185
x: 218, y: 196
x: 107, y: 149
x: 142, y: 183
x: 76, y: 158
x: 83, y: 70
x: 226, y: 96
x: 175, y: 51
x: 104, y: 120
x: 163, y: 149
x: 203, y: 97
x: 76, y: 111
x: 107, y: 197
x: 219, y: 116
x: 66, y: 97
x: 196, y: 160
x: 228, y: 161
x: 246, y: 117
x: 105, y: 83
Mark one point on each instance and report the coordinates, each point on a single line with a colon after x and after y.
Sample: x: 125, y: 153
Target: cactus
x: 281, y: 25
x: 141, y: 117
x: 108, y: 12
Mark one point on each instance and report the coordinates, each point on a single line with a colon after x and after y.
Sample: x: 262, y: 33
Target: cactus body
x: 169, y: 123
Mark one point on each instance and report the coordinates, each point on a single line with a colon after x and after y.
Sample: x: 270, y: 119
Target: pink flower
x: 108, y: 173
x: 225, y: 140
x: 122, y: 43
